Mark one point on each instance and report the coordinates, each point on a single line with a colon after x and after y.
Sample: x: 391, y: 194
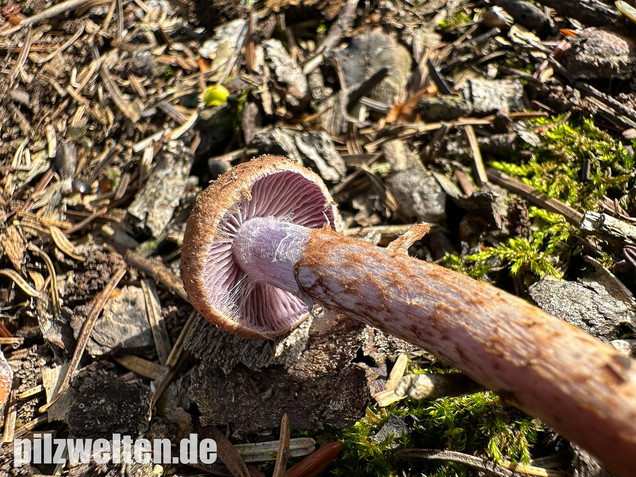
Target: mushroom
x: 220, y: 284
x: 260, y: 249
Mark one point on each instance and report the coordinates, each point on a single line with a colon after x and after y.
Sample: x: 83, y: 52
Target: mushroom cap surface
x: 217, y: 286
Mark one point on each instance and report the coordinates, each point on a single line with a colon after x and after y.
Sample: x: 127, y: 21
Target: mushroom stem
x: 580, y: 386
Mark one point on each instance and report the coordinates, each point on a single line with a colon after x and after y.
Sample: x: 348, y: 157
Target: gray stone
x: 584, y: 304
x: 393, y: 427
x: 416, y: 191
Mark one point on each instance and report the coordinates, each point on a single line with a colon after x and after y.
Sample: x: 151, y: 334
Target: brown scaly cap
x: 267, y: 186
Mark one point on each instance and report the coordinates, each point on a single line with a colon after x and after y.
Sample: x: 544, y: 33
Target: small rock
x: 488, y: 96
x: 416, y: 191
x: 600, y: 54
x: 143, y: 63
x: 443, y: 108
x: 584, y: 304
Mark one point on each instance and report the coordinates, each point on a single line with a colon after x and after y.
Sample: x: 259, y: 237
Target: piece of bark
x: 528, y: 15
x: 156, y: 201
x: 322, y: 388
x: 608, y: 226
x: 109, y: 406
x: 123, y: 325
x: 600, y: 54
x: 589, y: 12
x: 415, y: 190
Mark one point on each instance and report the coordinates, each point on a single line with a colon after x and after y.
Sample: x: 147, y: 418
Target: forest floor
x: 507, y: 125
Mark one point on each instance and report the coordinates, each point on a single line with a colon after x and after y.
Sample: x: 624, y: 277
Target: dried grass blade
x: 26, y: 47
x: 228, y: 454
x: 142, y: 367
x: 29, y: 426
x: 66, y: 44
x: 177, y: 349
x: 480, y: 171
x: 399, y: 368
x: 124, y: 106
x: 46, y: 14
x: 64, y: 244
x: 21, y: 282
x: 55, y: 295
x: 283, y: 448
x: 155, y: 318
x: 158, y: 271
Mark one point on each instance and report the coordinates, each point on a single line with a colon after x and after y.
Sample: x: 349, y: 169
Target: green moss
x: 460, y: 18
x: 476, y: 424
x: 114, y: 176
x: 168, y: 72
x: 556, y: 169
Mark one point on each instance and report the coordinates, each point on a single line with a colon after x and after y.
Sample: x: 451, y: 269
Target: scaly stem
x: 580, y: 386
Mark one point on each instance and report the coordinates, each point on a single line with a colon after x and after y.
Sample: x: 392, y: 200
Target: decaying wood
x: 580, y: 386
x: 608, y: 226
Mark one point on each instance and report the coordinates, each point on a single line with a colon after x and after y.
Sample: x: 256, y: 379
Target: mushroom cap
x: 267, y: 186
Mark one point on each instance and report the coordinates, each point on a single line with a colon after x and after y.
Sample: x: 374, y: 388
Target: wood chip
x: 402, y: 243
x: 283, y: 448
x: 142, y: 367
